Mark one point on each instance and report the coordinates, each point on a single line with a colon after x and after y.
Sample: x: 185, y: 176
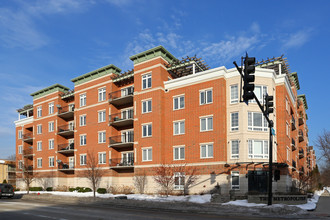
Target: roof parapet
x: 152, y: 53
x: 303, y: 98
x: 53, y: 88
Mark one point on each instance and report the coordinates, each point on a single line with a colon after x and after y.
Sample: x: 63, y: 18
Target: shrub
x: 127, y: 189
x: 37, y: 188
x: 49, y: 189
x: 114, y: 189
x: 4, y: 181
x: 17, y: 189
x: 87, y: 189
x: 101, y: 190
x: 72, y: 189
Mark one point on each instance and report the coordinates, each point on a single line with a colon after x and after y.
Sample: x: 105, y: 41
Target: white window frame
x: 39, y: 162
x: 206, y: 94
x: 180, y: 99
x: 287, y: 129
x: 83, y: 159
x: 50, y: 144
x: 287, y: 153
x: 39, y: 145
x: 101, y: 116
x: 264, y: 148
x: 145, y: 127
x: 102, y: 94
x: 20, y: 134
x: 147, y: 78
x: 39, y: 111
x: 147, y: 104
x: 20, y: 149
x: 102, y: 157
x: 20, y: 164
x: 208, y: 126
x: 234, y: 127
x: 51, y: 162
x: 102, y: 137
x: 179, y: 129
x: 287, y: 105
x: 207, y: 153
x: 145, y: 157
x: 39, y: 129
x: 263, y: 89
x: 252, y: 127
x: 51, y: 108
x: 82, y: 120
x: 234, y: 94
x: 82, y: 100
x: 177, y: 150
x: 234, y: 174
x: 51, y: 126
x: 83, y: 141
x: 181, y: 177
x: 234, y: 155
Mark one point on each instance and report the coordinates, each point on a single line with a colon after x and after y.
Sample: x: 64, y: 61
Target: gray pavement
x: 323, y: 206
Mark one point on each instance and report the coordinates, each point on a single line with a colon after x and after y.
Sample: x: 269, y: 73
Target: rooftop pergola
x: 273, y: 63
x: 123, y: 78
x: 26, y: 111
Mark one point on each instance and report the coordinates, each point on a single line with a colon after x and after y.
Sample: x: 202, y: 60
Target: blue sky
x: 46, y: 42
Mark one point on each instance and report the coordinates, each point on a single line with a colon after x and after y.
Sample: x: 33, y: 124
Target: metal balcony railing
x: 121, y: 162
x: 27, y: 152
x: 27, y: 136
x: 65, y: 128
x: 121, y: 97
x: 301, y: 120
x: 293, y: 144
x: 65, y: 166
x: 65, y: 147
x: 124, y: 118
x: 294, y: 165
x: 293, y: 123
x: 301, y: 135
x: 65, y: 109
x: 123, y: 140
x: 11, y: 169
x: 301, y: 153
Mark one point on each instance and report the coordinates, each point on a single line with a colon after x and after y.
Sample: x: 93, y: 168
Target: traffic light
x: 269, y: 104
x: 249, y: 69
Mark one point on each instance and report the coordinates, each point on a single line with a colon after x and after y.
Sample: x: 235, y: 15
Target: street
x: 323, y: 208
x: 11, y: 209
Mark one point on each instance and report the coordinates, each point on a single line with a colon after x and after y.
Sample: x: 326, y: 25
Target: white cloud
x: 297, y: 39
x: 121, y: 3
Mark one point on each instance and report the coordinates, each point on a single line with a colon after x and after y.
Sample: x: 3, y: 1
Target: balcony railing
x: 28, y: 137
x: 65, y: 166
x: 301, y: 170
x: 65, y: 148
x: 122, y: 97
x: 293, y: 123
x: 66, y: 130
x: 294, y: 165
x: 28, y: 153
x: 122, y: 119
x: 301, y: 120
x: 301, y: 135
x: 124, y: 140
x: 119, y: 163
x: 301, y: 153
x: 66, y: 112
x: 293, y: 144
x: 11, y: 169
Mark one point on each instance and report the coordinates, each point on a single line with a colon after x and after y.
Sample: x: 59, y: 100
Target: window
x: 206, y: 150
x: 51, y: 108
x: 206, y: 123
x: 178, y: 102
x: 287, y: 153
x: 102, y: 92
x: 126, y: 113
x: 178, y: 127
x: 179, y: 181
x: 39, y: 162
x: 146, y: 106
x: 235, y: 180
x: 178, y: 153
x: 234, y: 94
x: 147, y: 154
x: 51, y: 161
x: 260, y: 92
x: 147, y: 130
x: 39, y: 145
x: 235, y: 149
x: 205, y: 96
x: 127, y: 136
x: 51, y: 144
x: 234, y: 121
x: 82, y: 159
x: 102, y: 158
x: 146, y: 81
x: 39, y: 111
x: 82, y: 100
x: 287, y: 129
x: 83, y: 140
x: 50, y: 126
x: 82, y: 120
x: 20, y: 149
x: 258, y: 149
x: 39, y: 129
x: 287, y: 106
x: 101, y: 116
x: 20, y: 134
x: 127, y: 91
x: 20, y: 164
x: 257, y: 122
x: 102, y: 137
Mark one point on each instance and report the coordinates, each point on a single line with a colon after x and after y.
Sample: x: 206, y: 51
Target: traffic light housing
x: 249, y: 69
x: 269, y: 104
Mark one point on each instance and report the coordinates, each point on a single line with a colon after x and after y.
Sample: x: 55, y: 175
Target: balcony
x: 66, y: 131
x: 301, y: 153
x: 301, y: 120
x: 293, y: 123
x: 293, y: 144
x: 28, y: 137
x: 66, y: 148
x: 28, y: 153
x: 122, y: 97
x: 301, y: 135
x: 122, y: 163
x: 294, y: 165
x: 123, y: 119
x: 65, y: 167
x: 301, y: 170
x: 29, y: 169
x: 122, y: 141
x: 66, y: 112
x: 11, y: 170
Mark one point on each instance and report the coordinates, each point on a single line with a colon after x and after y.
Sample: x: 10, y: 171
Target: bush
x: 82, y: 189
x: 102, y: 190
x: 35, y: 188
x: 17, y: 189
x: 72, y: 189
x: 88, y: 189
x: 49, y: 189
x: 4, y: 181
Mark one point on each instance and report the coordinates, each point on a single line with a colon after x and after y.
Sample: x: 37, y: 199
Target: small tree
x: 28, y: 176
x: 191, y: 177
x: 140, y: 182
x: 164, y: 177
x: 93, y: 172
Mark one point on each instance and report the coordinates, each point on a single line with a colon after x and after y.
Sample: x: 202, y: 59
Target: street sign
x: 273, y: 131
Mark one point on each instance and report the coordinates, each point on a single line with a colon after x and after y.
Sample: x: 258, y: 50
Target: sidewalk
x: 323, y: 208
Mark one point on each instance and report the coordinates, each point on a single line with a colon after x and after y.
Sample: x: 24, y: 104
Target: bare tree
x: 323, y: 144
x: 12, y: 157
x: 93, y: 172
x: 164, y: 177
x: 191, y: 177
x: 140, y: 182
x: 28, y: 176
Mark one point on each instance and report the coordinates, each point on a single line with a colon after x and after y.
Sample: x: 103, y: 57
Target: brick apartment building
x: 167, y: 111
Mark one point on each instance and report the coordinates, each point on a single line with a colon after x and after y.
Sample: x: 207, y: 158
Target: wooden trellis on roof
x: 123, y: 78
x: 184, y: 67
x: 273, y: 63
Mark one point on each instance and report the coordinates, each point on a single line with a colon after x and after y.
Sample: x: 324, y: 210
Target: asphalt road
x: 323, y: 207
x: 12, y: 209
